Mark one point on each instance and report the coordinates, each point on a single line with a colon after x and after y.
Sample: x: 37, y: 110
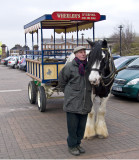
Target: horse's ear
x: 90, y: 42
x: 104, y: 44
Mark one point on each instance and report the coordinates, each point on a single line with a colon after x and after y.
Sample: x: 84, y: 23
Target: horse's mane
x: 95, y: 54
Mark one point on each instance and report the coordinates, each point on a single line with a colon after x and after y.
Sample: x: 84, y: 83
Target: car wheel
x: 41, y: 98
x: 32, y: 91
x: 138, y: 97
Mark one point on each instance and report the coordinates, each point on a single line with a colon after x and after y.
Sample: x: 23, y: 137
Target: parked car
x: 22, y: 64
x: 115, y: 56
x: 20, y: 59
x: 124, y: 61
x: 13, y: 62
x: 3, y: 61
x: 6, y: 60
x: 126, y: 82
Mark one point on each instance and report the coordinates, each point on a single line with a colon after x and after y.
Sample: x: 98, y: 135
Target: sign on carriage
x: 91, y: 16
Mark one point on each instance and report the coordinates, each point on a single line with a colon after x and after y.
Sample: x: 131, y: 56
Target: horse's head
x: 98, y: 61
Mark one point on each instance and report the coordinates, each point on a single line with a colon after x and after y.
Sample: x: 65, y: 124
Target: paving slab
x: 26, y: 133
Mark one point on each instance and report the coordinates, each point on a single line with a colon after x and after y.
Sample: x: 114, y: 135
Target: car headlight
x: 133, y: 82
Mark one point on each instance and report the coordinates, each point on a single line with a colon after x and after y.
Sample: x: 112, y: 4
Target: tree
x: 127, y: 38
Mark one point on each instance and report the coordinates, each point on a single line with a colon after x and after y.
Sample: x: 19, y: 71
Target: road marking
x: 4, y: 91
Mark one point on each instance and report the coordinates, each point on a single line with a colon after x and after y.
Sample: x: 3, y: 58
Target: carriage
x: 44, y: 65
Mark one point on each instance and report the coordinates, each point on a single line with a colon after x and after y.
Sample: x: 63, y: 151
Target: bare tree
x: 127, y: 38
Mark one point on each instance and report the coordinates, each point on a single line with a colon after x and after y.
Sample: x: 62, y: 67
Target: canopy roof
x: 47, y: 22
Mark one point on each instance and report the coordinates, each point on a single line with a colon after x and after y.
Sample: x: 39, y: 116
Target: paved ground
x: 25, y: 133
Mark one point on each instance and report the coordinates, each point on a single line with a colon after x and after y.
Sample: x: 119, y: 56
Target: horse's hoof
x: 89, y: 138
x: 101, y: 137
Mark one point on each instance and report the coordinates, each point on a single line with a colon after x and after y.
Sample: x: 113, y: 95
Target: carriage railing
x: 57, y: 54
x: 44, y: 66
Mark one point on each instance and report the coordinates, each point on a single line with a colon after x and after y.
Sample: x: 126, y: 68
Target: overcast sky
x: 14, y: 14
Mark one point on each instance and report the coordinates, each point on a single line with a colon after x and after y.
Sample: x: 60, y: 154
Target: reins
x: 106, y: 81
x: 107, y: 70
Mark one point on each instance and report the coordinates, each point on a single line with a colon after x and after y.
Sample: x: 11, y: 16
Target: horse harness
x: 107, y: 80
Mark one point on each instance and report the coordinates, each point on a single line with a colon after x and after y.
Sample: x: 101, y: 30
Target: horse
x: 101, y: 75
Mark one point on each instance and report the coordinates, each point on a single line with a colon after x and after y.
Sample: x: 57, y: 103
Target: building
x: 3, y: 46
x: 48, y: 44
x: 18, y: 50
x: 71, y: 43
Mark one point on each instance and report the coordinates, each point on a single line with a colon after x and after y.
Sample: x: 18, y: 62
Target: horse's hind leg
x: 90, y: 124
x: 101, y: 127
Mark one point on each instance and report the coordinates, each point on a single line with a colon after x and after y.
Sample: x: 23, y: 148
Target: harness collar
x: 104, y: 49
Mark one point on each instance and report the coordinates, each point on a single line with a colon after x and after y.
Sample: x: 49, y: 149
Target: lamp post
x: 82, y: 38
x: 120, y: 37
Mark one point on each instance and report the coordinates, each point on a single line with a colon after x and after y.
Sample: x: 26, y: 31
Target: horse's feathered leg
x: 90, y: 124
x: 101, y: 128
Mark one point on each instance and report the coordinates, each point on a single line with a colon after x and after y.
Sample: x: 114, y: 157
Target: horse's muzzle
x: 95, y: 82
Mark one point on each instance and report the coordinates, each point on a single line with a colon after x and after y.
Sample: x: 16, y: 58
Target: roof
x: 18, y: 47
x: 60, y: 41
x: 47, y: 22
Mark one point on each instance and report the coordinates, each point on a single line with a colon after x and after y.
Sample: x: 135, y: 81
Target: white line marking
x: 4, y: 91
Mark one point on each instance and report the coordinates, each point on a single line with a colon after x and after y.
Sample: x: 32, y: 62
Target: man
x: 73, y: 81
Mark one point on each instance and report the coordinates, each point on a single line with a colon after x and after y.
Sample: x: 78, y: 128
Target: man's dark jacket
x: 77, y: 89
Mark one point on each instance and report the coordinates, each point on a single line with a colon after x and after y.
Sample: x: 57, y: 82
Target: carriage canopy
x: 65, y: 21
x: 51, y: 60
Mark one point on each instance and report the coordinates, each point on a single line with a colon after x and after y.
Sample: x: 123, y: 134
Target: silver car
x: 13, y: 62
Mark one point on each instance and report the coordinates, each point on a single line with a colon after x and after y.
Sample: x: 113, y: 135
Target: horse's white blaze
x: 94, y: 76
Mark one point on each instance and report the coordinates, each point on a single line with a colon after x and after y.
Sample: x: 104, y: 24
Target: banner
x: 83, y: 16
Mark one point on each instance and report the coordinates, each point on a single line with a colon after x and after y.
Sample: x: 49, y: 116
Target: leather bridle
x: 107, y: 80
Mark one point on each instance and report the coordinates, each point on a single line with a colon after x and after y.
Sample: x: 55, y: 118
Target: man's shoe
x: 81, y: 150
x: 74, y: 151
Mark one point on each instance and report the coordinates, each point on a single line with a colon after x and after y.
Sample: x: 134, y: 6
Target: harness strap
x: 95, y: 69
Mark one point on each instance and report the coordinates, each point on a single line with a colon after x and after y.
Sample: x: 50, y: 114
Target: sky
x: 14, y: 14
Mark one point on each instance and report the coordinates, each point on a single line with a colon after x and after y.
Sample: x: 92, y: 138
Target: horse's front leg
x: 101, y: 127
x: 90, y: 124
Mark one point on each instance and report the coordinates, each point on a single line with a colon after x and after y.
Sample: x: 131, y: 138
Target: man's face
x: 81, y: 55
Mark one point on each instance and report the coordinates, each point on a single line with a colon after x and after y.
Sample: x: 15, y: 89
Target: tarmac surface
x: 26, y: 133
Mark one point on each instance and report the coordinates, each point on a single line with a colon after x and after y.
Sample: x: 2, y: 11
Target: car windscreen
x: 119, y: 61
x: 12, y: 59
x: 7, y: 58
x: 134, y: 64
